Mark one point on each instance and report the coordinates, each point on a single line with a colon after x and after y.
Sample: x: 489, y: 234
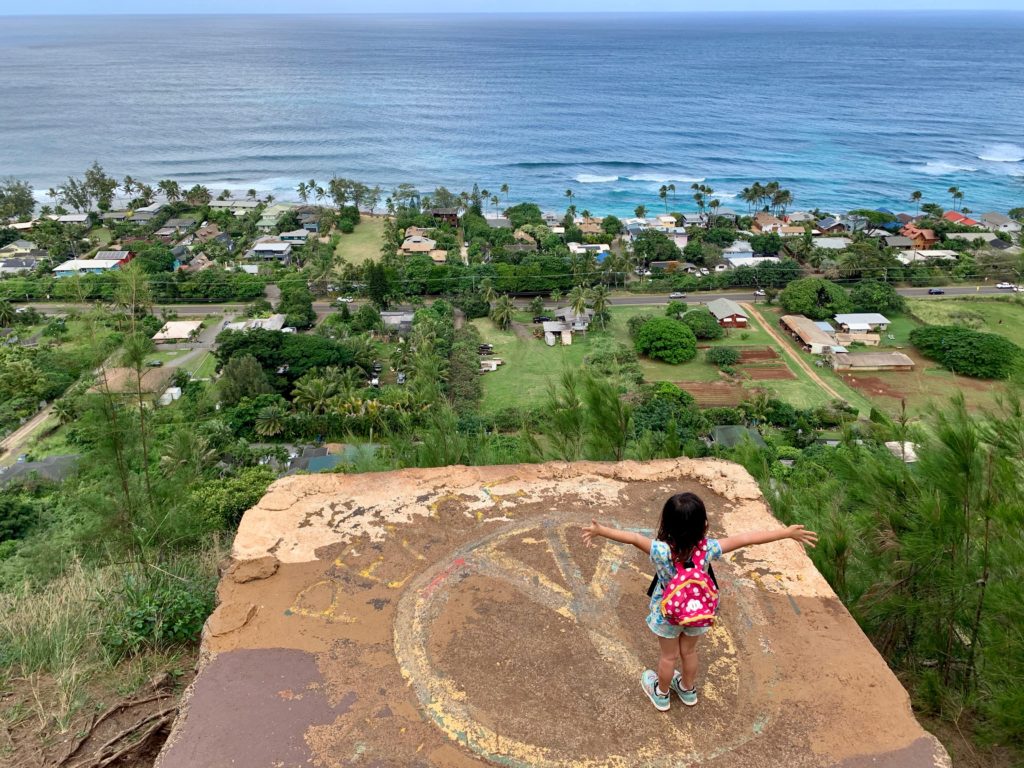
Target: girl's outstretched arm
x: 594, y: 530
x: 795, y: 532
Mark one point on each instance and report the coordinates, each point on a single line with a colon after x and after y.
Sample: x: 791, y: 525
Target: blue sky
x: 31, y: 7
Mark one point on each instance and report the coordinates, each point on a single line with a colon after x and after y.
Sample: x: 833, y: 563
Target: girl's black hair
x: 684, y: 521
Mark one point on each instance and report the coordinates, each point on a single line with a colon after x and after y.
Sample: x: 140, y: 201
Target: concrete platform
x: 452, y: 617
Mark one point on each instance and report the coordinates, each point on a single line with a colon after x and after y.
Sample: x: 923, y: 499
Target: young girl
x: 681, y: 533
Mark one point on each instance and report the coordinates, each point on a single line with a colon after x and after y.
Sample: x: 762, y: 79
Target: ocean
x: 845, y: 110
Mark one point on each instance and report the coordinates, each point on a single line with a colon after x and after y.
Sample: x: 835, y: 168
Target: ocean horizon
x: 845, y: 109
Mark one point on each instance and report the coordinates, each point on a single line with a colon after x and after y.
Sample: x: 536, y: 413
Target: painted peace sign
x: 520, y: 643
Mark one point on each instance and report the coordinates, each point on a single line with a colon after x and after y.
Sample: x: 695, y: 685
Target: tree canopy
x: 968, y: 352
x: 814, y: 297
x: 663, y: 338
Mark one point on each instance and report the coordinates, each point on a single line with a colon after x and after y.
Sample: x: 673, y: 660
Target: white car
x: 705, y: 271
x: 345, y: 299
x: 677, y: 295
x: 1006, y: 286
x: 760, y: 292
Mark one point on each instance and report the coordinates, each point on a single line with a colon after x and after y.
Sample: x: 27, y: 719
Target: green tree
x: 243, y: 376
x: 640, y: 211
x: 6, y: 314
x: 703, y: 324
x: 378, y: 284
x: 814, y: 297
x: 875, y: 296
x: 968, y: 352
x: 651, y: 245
x: 609, y: 420
x: 722, y: 356
x: 662, y: 338
x: 16, y: 199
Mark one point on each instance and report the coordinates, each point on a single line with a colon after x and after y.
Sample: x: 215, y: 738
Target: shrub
x: 346, y: 226
x: 723, y: 415
x: 874, y: 296
x: 722, y: 356
x: 967, y: 352
x: 703, y: 324
x: 663, y: 338
x: 635, y: 323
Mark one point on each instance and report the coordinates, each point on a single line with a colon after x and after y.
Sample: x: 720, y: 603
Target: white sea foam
x: 664, y: 179
x: 1002, y: 153
x: 942, y: 168
x: 590, y: 178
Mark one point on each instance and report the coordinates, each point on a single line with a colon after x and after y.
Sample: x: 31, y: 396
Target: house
x: 664, y: 266
x: 498, y: 222
x: 900, y: 242
x: 911, y: 257
x: 296, y: 236
x: 801, y: 217
x: 16, y: 265
x: 236, y: 206
x: 310, y: 221
x: 272, y: 323
x: 871, y: 361
x: 601, y: 250
x: 738, y: 247
x: 971, y: 237
x: 831, y: 225
x: 449, y: 216
x: 790, y: 230
x: 54, y: 469
x: 831, y: 243
x: 18, y: 248
x: 417, y: 231
x: 592, y: 226
x: 417, y: 244
x: 268, y: 221
x: 114, y: 217
x: 923, y: 239
x: 732, y: 435
x: 175, y: 331
x: 728, y: 313
x: 765, y: 223
x: 1000, y: 222
x: 955, y: 217
x: 269, y: 249
x: 101, y: 263
x: 400, y: 320
x: 863, y: 321
x: 76, y: 219
x: 814, y: 339
x: 745, y: 260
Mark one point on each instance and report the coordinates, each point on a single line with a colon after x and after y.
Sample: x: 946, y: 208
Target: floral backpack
x: 690, y: 599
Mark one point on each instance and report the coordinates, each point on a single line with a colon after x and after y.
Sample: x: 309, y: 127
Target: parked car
x: 935, y: 291
x: 401, y: 377
x: 705, y: 271
x: 155, y: 363
x: 541, y: 319
x: 760, y: 292
x: 375, y: 382
x: 345, y: 299
x: 677, y: 295
x: 1006, y: 286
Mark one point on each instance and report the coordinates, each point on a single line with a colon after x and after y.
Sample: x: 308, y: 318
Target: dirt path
x: 789, y: 353
x: 522, y: 332
x: 14, y: 441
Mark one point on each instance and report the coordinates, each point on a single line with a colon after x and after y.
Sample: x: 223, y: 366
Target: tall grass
x: 53, y: 635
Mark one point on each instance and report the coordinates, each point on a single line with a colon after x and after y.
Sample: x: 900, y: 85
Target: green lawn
x: 204, y: 368
x: 165, y: 356
x: 1003, y: 315
x: 100, y: 236
x: 364, y: 243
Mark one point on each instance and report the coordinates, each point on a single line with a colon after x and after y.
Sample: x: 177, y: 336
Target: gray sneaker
x: 689, y: 698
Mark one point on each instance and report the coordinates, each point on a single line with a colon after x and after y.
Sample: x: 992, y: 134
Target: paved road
x: 324, y: 307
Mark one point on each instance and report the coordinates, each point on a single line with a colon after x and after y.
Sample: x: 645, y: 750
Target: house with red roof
x: 955, y: 217
x: 922, y: 238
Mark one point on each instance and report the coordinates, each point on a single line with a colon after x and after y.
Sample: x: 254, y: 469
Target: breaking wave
x: 941, y: 168
x: 1002, y: 153
x: 590, y: 178
x: 665, y: 179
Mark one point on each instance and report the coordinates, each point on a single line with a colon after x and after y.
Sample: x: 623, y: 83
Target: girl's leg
x: 687, y: 649
x: 669, y: 655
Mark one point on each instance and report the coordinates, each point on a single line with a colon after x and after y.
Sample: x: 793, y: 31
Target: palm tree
x: 128, y: 185
x: 503, y: 311
x: 599, y: 296
x: 303, y: 191
x: 570, y: 194
x: 65, y: 410
x: 915, y: 197
x: 956, y: 194
x: 170, y: 189
x: 487, y: 291
x: 313, y: 394
x: 270, y: 421
x: 672, y: 189
x: 251, y: 194
x: 578, y: 297
x: 556, y: 296
x: 713, y: 205
x: 495, y: 200
x: 6, y: 314
x: 640, y: 211
x: 663, y: 194
x: 504, y: 191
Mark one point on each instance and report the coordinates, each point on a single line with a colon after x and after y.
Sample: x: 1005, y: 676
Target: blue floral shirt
x: 665, y: 568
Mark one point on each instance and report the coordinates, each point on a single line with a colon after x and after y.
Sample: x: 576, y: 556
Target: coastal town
x: 169, y: 351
